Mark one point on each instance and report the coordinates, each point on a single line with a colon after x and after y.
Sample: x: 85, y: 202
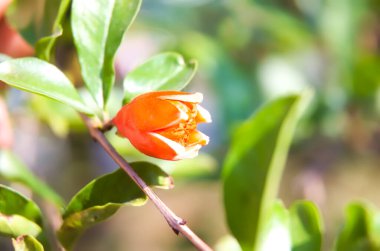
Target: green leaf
x: 98, y: 30
x: 37, y: 76
x: 16, y: 225
x: 254, y: 165
x: 358, y: 231
x: 33, y: 19
x: 275, y: 234
x: 166, y: 71
x: 305, y: 226
x: 12, y: 169
x: 61, y: 118
x: 27, y: 243
x: 102, y: 197
x: 18, y: 215
x: 45, y: 44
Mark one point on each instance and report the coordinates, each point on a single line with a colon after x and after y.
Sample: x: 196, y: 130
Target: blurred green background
x: 249, y: 52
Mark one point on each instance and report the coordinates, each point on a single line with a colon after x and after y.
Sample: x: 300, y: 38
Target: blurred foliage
x: 257, y: 156
x: 329, y: 45
x: 249, y: 52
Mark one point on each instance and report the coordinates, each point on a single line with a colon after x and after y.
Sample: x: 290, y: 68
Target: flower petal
x: 181, y: 151
x: 191, y: 152
x: 178, y: 148
x: 151, y: 114
x: 203, y: 116
x: 185, y: 97
x: 198, y: 138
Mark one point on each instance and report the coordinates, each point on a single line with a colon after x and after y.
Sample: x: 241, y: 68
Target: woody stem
x: 176, y: 223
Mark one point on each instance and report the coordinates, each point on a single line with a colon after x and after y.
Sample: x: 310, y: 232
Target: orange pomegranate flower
x: 163, y: 124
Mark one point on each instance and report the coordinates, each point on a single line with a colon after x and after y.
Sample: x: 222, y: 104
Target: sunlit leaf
x: 27, y: 243
x: 37, y: 76
x: 275, y: 233
x: 13, y: 169
x: 305, y: 226
x: 98, y: 30
x: 254, y: 164
x: 16, y: 225
x: 102, y: 197
x: 227, y: 243
x: 166, y: 71
x: 18, y: 215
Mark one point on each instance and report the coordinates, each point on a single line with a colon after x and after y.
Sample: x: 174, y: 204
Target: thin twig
x: 176, y: 223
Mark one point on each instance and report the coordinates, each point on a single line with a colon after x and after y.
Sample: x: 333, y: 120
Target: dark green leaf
x: 45, y: 44
x: 358, y: 230
x: 305, y: 227
x: 37, y: 76
x: 102, y: 197
x: 254, y: 164
x: 98, y: 30
x: 12, y: 169
x: 18, y: 215
x: 166, y: 71
x: 27, y: 243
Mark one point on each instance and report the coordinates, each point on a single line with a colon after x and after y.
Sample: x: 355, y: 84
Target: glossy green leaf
x: 305, y: 226
x: 45, y: 45
x: 13, y: 169
x: 37, y: 76
x: 358, y: 232
x: 166, y: 71
x: 102, y: 197
x: 27, y: 243
x: 98, y: 30
x: 254, y: 164
x: 275, y: 234
x: 18, y: 215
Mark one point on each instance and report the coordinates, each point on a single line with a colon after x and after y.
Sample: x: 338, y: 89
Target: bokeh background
x: 249, y: 52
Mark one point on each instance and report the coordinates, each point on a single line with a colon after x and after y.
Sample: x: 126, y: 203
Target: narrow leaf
x: 102, y: 197
x: 37, y: 76
x: 45, y: 44
x: 13, y: 169
x: 27, y: 243
x: 18, y: 215
x: 254, y: 164
x: 166, y: 71
x: 357, y: 231
x: 98, y: 29
x: 305, y: 226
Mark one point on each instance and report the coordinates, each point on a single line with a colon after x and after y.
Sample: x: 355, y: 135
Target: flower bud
x: 164, y: 124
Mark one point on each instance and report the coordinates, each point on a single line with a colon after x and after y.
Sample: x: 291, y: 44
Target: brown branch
x: 176, y: 223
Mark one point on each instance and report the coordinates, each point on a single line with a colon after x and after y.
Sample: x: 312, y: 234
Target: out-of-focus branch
x: 176, y: 223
